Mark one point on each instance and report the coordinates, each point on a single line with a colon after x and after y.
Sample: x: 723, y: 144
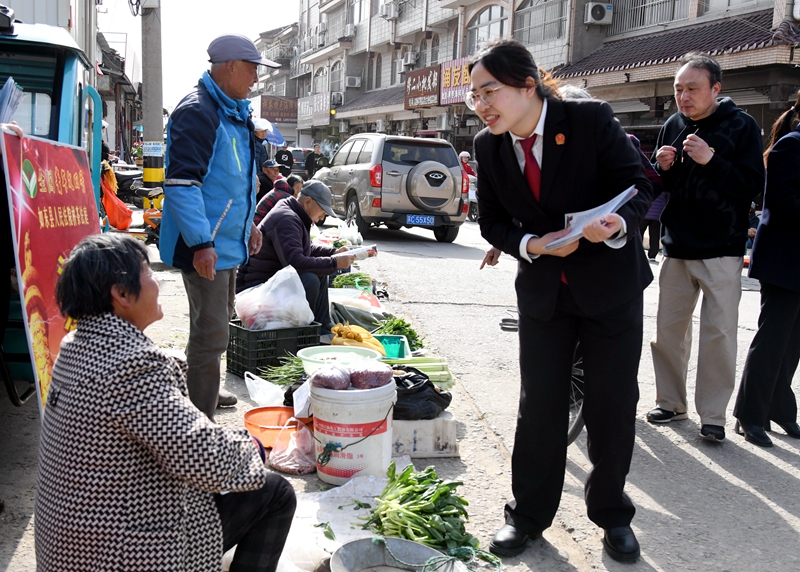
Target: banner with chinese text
x: 278, y: 109
x: 422, y: 88
x: 52, y: 207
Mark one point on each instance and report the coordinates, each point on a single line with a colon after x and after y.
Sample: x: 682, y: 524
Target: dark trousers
x: 316, y: 287
x: 611, y: 344
x: 655, y: 235
x: 766, y: 389
x: 257, y: 523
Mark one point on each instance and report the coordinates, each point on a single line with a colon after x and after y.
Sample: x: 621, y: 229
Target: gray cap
x: 320, y: 192
x: 236, y: 47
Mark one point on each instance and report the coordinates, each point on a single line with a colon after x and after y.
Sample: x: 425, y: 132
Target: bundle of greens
x: 399, y: 327
x: 354, y: 279
x: 423, y: 508
x: 290, y: 371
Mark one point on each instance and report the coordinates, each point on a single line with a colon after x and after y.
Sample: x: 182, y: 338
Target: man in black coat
x: 284, y: 158
x: 709, y: 157
x: 315, y: 161
x: 287, y: 241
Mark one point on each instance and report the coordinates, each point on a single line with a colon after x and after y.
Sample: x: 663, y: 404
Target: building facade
x: 399, y: 66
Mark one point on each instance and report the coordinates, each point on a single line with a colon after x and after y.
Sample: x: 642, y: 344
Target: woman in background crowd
x: 765, y: 393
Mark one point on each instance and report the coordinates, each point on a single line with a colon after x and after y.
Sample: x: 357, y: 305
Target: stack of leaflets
x: 10, y: 96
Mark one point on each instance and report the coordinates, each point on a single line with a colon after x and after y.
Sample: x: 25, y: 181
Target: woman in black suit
x: 766, y: 390
x: 591, y: 289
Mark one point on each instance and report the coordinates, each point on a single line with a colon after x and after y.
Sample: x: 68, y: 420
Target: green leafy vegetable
x: 399, y: 327
x: 356, y: 279
x: 356, y: 504
x: 423, y: 508
x: 326, y: 530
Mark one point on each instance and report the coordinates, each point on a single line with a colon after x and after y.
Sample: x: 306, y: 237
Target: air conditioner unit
x: 352, y: 81
x: 337, y: 98
x: 598, y: 13
x: 322, y: 27
x: 321, y: 40
x: 344, y: 126
x: 380, y: 126
x: 442, y: 123
x: 349, y: 31
x: 389, y: 11
x: 410, y: 59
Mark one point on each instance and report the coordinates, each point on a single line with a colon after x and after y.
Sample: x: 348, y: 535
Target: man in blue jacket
x: 209, y: 202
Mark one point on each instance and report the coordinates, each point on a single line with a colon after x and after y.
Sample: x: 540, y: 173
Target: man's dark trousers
x: 316, y: 288
x: 611, y: 346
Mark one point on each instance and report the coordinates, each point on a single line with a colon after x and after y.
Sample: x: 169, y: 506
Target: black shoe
x: 226, y: 399
x: 714, y: 433
x: 621, y: 544
x: 754, y: 434
x: 659, y: 415
x: 509, y: 541
x: 792, y: 429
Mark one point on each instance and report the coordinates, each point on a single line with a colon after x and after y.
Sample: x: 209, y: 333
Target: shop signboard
x: 455, y: 81
x: 278, y: 109
x: 52, y: 207
x: 305, y: 112
x: 422, y: 88
x: 322, y: 109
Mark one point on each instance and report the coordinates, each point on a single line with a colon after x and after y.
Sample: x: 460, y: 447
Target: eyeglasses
x: 487, y: 95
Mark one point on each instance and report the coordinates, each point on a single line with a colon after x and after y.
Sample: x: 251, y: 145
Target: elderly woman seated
x: 139, y: 479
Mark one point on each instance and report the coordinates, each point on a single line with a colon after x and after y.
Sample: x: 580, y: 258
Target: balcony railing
x: 635, y: 14
x: 542, y: 23
x: 278, y: 52
x: 297, y: 69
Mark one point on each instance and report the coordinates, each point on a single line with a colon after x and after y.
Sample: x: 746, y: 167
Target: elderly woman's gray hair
x: 97, y: 263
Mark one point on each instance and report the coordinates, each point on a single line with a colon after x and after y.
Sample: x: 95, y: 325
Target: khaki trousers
x: 680, y: 283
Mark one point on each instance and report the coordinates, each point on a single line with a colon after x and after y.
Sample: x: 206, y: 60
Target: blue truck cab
x: 58, y: 103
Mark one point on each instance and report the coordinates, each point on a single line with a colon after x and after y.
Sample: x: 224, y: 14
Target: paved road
x: 700, y: 507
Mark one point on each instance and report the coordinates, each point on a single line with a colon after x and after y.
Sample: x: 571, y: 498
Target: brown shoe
x: 226, y: 399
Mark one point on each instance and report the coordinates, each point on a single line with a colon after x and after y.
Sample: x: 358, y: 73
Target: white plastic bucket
x: 359, y: 423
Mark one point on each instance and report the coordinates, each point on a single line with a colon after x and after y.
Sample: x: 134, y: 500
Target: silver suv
x: 398, y: 182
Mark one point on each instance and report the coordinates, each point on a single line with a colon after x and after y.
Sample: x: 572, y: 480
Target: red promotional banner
x: 52, y: 207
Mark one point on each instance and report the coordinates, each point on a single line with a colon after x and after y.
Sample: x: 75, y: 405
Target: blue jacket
x: 209, y: 162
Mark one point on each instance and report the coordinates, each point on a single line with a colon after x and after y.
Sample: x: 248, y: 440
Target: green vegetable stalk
x: 423, y: 508
x: 290, y: 371
x: 356, y: 279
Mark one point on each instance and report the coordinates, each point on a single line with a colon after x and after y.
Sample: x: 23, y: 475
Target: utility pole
x: 152, y: 104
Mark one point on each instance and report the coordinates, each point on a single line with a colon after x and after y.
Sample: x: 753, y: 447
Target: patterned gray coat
x: 127, y: 465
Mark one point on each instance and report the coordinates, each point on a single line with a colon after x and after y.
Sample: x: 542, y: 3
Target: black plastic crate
x: 250, y: 350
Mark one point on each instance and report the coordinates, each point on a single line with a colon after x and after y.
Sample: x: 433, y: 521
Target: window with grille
x: 321, y: 80
x: 489, y: 24
x: 435, y: 50
x: 422, y: 60
x: 536, y: 21
x: 378, y: 70
x: 636, y: 14
x: 336, y: 76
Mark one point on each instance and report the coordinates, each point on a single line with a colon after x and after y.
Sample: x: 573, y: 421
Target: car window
x: 402, y: 153
x: 341, y: 156
x: 352, y: 158
x: 366, y: 153
x: 299, y: 155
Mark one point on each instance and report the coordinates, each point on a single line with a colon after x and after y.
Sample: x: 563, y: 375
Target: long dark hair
x: 510, y: 62
x: 783, y: 125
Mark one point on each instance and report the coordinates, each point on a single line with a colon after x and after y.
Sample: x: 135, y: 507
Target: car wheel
x: 354, y: 214
x: 445, y: 233
x: 394, y: 225
x: 473, y: 212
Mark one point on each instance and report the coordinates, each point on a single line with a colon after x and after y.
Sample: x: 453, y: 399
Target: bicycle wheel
x: 576, y: 396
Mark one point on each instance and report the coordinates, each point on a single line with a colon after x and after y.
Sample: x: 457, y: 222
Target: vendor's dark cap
x: 235, y: 47
x: 269, y: 163
x: 320, y: 192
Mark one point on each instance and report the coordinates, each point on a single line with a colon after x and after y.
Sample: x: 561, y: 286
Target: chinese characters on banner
x: 422, y: 88
x: 52, y: 207
x: 455, y: 81
x: 278, y: 109
x: 305, y: 112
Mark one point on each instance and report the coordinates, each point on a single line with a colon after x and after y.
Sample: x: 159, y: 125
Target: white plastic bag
x: 263, y: 392
x: 293, y: 452
x: 278, y: 303
x: 350, y: 233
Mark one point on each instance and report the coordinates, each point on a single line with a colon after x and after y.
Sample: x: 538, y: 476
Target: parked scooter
x: 151, y: 198
x: 472, y: 213
x: 128, y: 182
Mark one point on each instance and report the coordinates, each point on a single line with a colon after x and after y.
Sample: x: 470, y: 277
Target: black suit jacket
x: 776, y: 250
x: 594, y: 162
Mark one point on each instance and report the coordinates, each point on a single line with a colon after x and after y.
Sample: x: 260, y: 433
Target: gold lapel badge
x: 560, y: 139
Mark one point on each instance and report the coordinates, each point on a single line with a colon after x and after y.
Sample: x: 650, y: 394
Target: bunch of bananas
x: 356, y: 336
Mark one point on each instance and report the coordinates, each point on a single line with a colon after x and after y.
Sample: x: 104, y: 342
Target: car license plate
x: 423, y: 220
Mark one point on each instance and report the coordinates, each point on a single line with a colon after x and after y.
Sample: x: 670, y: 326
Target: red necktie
x: 532, y: 172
